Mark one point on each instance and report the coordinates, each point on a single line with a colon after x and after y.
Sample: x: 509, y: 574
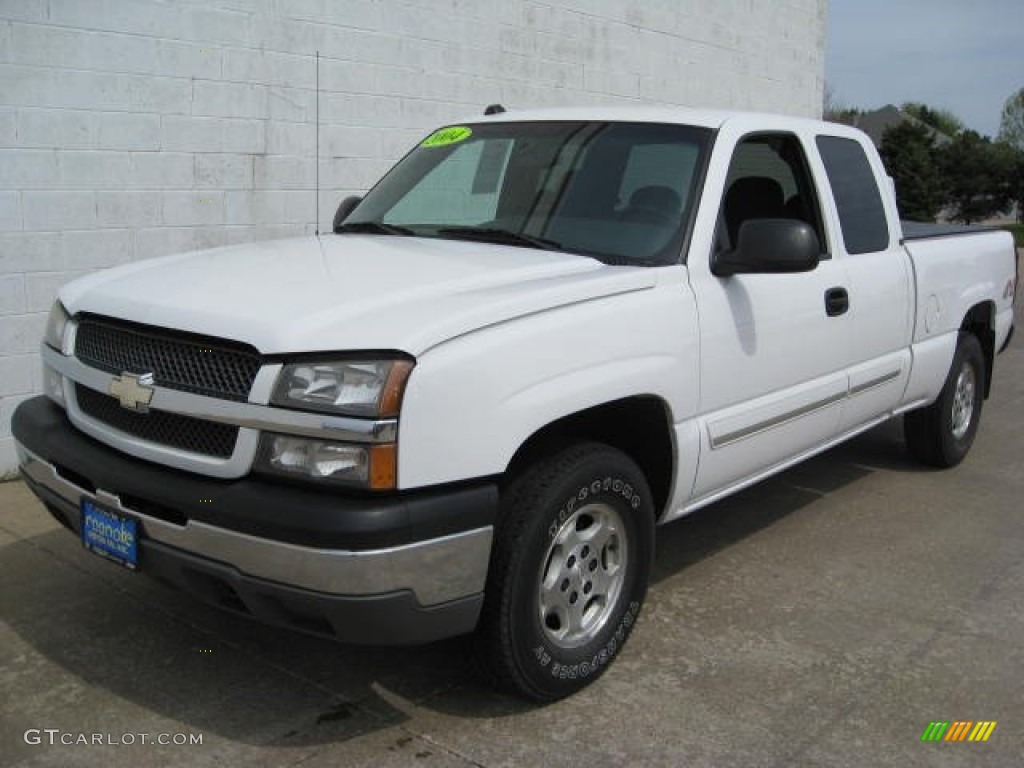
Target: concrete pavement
x: 824, y: 617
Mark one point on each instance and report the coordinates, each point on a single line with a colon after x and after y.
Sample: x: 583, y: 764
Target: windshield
x: 620, y: 192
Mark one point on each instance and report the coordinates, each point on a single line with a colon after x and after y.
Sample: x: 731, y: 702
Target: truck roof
x: 707, y: 118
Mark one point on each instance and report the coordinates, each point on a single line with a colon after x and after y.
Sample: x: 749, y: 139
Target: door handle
x: 837, y: 301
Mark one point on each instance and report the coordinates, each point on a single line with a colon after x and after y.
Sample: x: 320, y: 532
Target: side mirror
x: 344, y: 209
x: 770, y: 246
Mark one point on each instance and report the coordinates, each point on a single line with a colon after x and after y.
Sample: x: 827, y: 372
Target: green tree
x: 908, y: 151
x: 942, y: 120
x: 1017, y: 184
x: 1012, y: 162
x: 1011, y: 123
x: 976, y: 176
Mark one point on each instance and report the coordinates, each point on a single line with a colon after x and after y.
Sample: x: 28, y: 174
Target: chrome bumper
x: 436, y: 571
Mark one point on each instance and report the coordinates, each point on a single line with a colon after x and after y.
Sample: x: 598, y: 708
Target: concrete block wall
x: 136, y: 128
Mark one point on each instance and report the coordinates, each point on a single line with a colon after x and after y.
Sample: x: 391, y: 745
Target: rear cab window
x: 865, y: 228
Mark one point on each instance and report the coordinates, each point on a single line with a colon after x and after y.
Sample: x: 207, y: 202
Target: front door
x: 774, y: 347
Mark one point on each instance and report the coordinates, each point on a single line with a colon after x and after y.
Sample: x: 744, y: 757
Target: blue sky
x: 964, y: 56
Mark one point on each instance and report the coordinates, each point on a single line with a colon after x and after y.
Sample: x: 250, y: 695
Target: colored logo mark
x: 958, y: 730
x: 446, y: 136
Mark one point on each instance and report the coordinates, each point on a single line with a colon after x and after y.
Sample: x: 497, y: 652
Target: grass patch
x: 1017, y: 230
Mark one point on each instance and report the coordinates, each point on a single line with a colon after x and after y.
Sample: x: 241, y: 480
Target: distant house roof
x: 876, y: 123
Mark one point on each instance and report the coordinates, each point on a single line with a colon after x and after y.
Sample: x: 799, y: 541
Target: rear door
x: 774, y: 347
x: 879, y: 280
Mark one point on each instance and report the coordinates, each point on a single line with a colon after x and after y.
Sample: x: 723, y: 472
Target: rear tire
x: 942, y: 433
x: 568, y: 572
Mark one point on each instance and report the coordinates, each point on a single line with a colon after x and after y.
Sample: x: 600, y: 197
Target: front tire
x: 942, y: 433
x: 568, y: 573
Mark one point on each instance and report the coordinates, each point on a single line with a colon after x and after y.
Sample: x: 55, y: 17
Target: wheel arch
x: 639, y: 426
x: 980, y: 321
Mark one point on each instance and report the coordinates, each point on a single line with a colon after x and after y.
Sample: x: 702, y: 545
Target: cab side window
x: 858, y: 201
x: 768, y: 179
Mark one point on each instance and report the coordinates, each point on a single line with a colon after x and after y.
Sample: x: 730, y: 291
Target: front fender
x: 473, y: 401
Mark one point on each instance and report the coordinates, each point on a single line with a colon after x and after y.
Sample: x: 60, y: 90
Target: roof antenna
x: 316, y: 212
x: 494, y: 109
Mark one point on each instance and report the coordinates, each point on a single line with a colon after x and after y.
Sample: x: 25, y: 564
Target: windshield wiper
x: 500, y: 236
x: 374, y: 228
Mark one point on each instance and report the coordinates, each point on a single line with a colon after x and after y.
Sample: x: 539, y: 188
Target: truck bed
x: 920, y: 230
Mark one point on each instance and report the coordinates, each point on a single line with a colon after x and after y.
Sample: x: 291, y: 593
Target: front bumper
x: 400, y: 569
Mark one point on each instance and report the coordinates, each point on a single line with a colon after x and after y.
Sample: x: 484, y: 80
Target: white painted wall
x: 135, y: 128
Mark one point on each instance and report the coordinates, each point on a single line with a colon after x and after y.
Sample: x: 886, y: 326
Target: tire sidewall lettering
x: 617, y: 486
x: 542, y: 654
x: 542, y: 500
x: 598, y: 659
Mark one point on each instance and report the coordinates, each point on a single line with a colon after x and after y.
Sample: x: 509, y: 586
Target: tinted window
x: 465, y: 185
x: 665, y: 165
x: 768, y: 179
x: 620, y: 192
x: 858, y: 201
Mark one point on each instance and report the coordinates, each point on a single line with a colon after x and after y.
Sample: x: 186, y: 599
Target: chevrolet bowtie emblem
x: 133, y: 391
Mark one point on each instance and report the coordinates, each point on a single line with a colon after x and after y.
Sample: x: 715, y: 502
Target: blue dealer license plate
x: 110, y: 534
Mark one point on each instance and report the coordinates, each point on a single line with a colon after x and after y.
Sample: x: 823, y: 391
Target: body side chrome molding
x: 776, y: 421
x: 720, y: 441
x: 709, y: 498
x: 877, y: 382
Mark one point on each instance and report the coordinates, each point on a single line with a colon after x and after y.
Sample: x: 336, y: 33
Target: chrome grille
x: 171, y: 429
x: 182, y: 361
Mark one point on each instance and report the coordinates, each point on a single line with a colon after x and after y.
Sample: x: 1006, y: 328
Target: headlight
x: 354, y: 387
x: 363, y: 466
x: 56, y: 324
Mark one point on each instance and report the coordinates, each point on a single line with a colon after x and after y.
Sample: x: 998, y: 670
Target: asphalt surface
x: 822, y: 618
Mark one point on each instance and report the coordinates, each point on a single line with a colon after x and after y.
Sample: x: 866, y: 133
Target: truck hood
x: 347, y: 292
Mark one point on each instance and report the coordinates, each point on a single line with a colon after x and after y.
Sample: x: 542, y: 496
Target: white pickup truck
x: 538, y: 337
